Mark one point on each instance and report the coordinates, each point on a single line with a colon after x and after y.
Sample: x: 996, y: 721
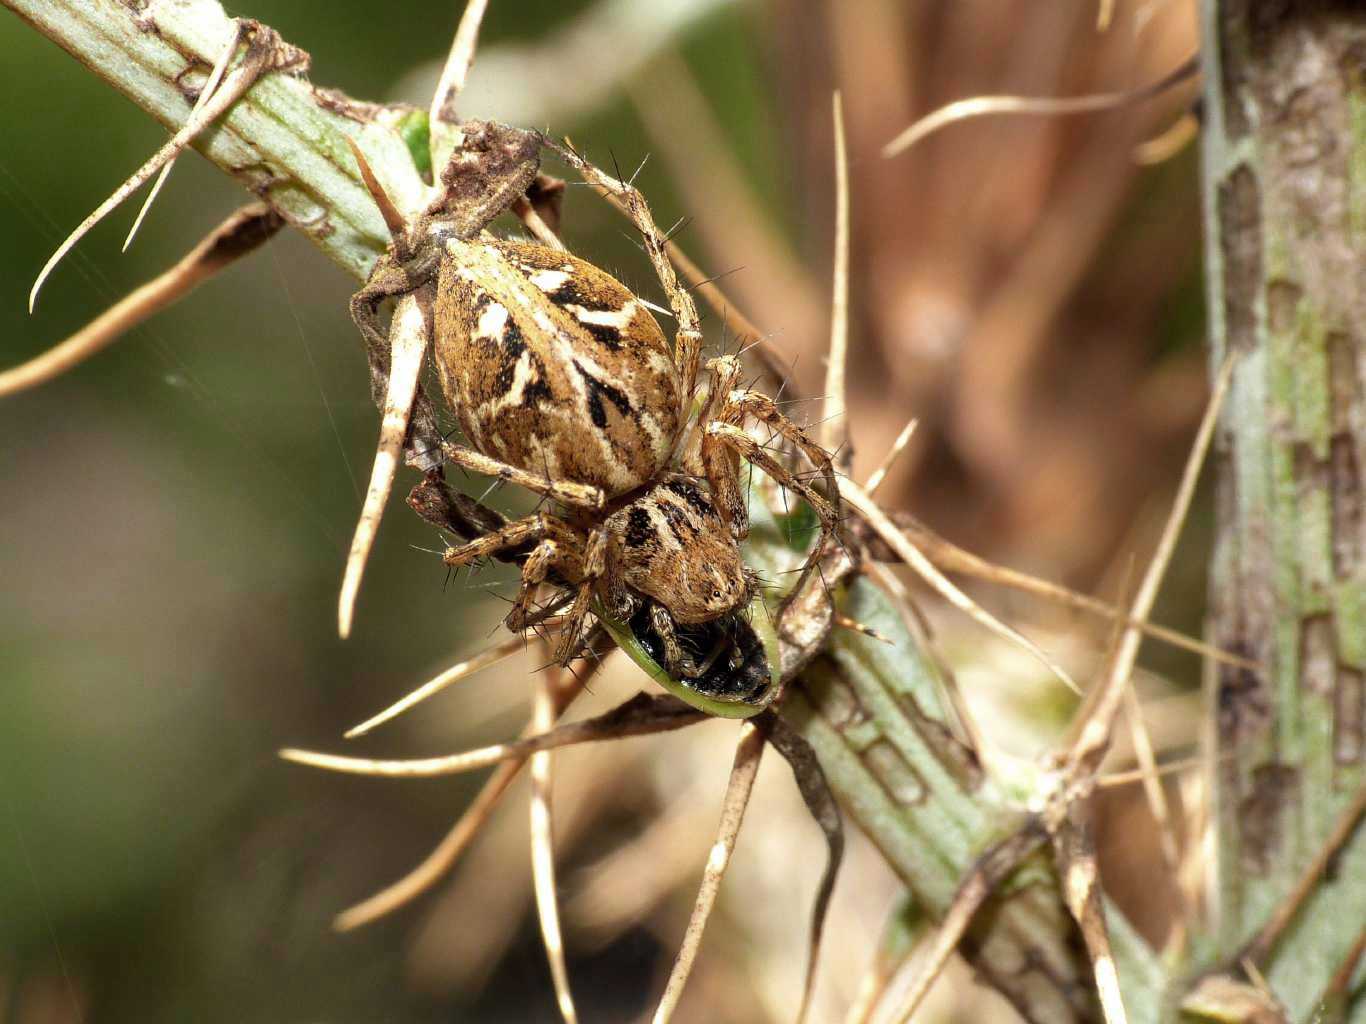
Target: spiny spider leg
x: 678, y: 661
x: 565, y: 491
x: 721, y: 439
x: 556, y: 547
x: 688, y: 339
x: 594, y: 567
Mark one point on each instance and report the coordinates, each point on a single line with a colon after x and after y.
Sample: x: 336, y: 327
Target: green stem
x: 1285, y: 230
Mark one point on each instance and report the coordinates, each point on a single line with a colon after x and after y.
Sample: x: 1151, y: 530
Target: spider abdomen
x: 554, y: 366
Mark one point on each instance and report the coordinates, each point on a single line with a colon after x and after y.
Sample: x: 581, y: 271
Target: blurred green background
x: 174, y: 514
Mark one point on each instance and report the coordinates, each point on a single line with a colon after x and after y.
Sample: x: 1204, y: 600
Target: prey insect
x: 562, y: 382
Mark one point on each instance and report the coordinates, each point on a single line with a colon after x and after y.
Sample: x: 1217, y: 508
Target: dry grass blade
x: 835, y: 418
x: 1105, y: 13
x: 858, y: 498
x: 242, y: 233
x: 951, y: 558
x: 210, y: 86
x: 982, y: 106
x: 543, y: 844
x: 458, y: 62
x: 1075, y: 849
x: 878, y: 475
x: 408, y: 345
x: 257, y: 59
x: 748, y: 753
x: 820, y: 801
x: 1096, y: 719
x: 985, y: 875
x: 435, y: 685
x: 640, y: 716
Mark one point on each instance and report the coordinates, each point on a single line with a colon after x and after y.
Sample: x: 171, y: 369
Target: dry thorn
x: 210, y: 86
x: 951, y: 558
x: 1132, y: 775
x: 1096, y: 720
x: 242, y: 233
x: 434, y: 686
x: 845, y: 622
x: 982, y: 106
x: 1341, y: 981
x: 878, y: 475
x: 536, y: 224
x: 991, y: 868
x: 260, y: 51
x: 1162, y: 147
x: 858, y: 499
x: 542, y: 840
x: 1152, y: 784
x: 640, y: 716
x: 458, y: 62
x: 748, y: 753
x: 1074, y: 846
x: 1265, y: 940
x: 820, y: 802
x: 835, y: 425
x: 408, y: 345
x: 437, y: 863
x: 393, y: 219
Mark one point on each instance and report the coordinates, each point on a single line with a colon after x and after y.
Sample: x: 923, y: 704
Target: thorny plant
x: 1057, y: 814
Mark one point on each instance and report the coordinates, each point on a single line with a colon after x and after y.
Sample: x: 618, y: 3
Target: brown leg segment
x: 677, y: 662
x: 566, y: 492
x: 688, y: 340
x: 720, y: 439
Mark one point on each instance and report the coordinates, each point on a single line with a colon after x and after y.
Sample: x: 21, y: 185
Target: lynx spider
x: 564, y: 384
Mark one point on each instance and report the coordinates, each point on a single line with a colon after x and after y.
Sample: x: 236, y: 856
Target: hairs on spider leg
x: 425, y: 551
x: 680, y: 225
x: 713, y: 279
x: 644, y: 160
x: 615, y: 166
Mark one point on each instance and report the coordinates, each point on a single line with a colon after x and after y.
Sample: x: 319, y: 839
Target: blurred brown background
x: 174, y: 515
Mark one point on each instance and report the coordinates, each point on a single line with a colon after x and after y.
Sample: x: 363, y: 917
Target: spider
x: 563, y: 383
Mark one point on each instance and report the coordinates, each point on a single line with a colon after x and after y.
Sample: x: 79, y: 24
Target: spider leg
x: 564, y: 491
x: 721, y: 439
x: 688, y: 339
x: 594, y: 567
x: 557, y: 546
x: 679, y: 663
x: 390, y: 279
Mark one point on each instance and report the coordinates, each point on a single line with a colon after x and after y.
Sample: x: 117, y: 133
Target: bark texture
x: 1285, y: 219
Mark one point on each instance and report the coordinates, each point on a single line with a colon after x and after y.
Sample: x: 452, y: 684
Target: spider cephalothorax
x: 562, y: 382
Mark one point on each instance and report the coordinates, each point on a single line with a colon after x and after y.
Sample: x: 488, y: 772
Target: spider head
x: 676, y: 549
